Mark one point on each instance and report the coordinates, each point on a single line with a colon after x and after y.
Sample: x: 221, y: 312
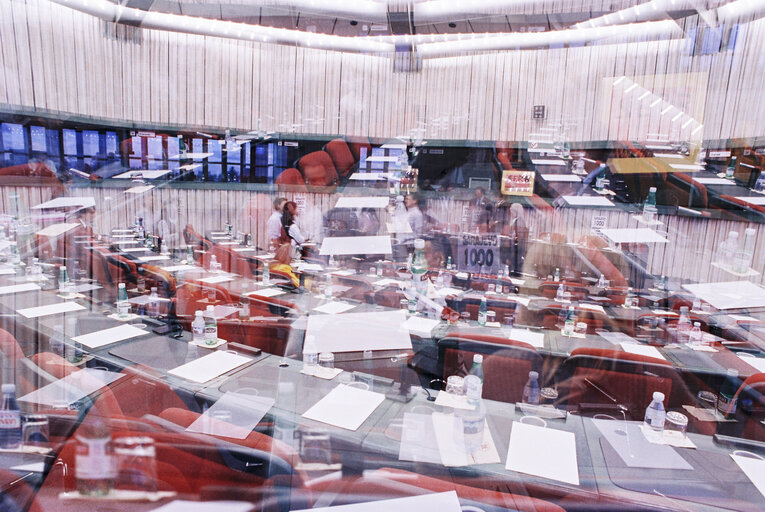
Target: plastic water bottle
x: 726, y: 398
x: 531, y: 391
x: 449, y: 265
x: 731, y: 169
x: 10, y: 419
x: 683, y: 325
x: 57, y: 343
x: 189, y: 255
x: 629, y: 300
x: 570, y: 323
x: 72, y: 350
x: 35, y: 271
x: 266, y: 274
x: 198, y: 327
x: 380, y: 270
x: 332, y: 263
x: 420, y: 267
x: 64, y: 285
x: 600, y: 181
x: 310, y: 356
x: 153, y: 306
x: 695, y: 336
x: 214, y: 265
x: 477, y: 368
x: 560, y: 295
x: 662, y: 282
x: 328, y: 286
x: 473, y: 420
x: 655, y: 415
x: 727, y: 249
x: 602, y: 283
x: 649, y: 207
x: 483, y: 309
x: 743, y: 256
x: 94, y: 464
x: 123, y: 306
x: 211, y: 326
x: 759, y: 186
x: 556, y: 276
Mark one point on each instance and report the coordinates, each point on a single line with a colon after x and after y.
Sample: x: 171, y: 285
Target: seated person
x: 282, y: 265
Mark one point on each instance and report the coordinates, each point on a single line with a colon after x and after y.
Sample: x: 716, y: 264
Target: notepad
x: 216, y: 279
x: 105, y: 337
x: 754, y: 469
x: 643, y: 350
x: 442, y: 502
x: 244, y: 413
x: 266, y: 292
x: 7, y: 271
x: 17, y: 288
x: 420, y: 326
x: 51, y: 309
x: 210, y: 366
x: 535, y: 339
x: 72, y: 388
x: 587, y: 201
x: 543, y: 452
x: 334, y: 307
x: 345, y: 407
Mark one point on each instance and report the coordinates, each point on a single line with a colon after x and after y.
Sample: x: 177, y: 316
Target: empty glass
x: 676, y: 422
x: 580, y: 329
x: 327, y: 360
x: 455, y: 385
x: 35, y: 431
x: 137, y: 464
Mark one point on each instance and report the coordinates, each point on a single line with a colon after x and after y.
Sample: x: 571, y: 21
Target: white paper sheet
x: 344, y: 273
x: 633, y: 236
x: 179, y: 268
x: 368, y: 176
x: 66, y: 202
x: 753, y: 200
x: 441, y: 502
x: 643, y: 350
x: 133, y: 249
x: 32, y: 467
x: 221, y: 311
x: 418, y: 441
x: 593, y: 307
x: 205, y: 506
x: 57, y: 229
x: 18, y: 288
x: 7, y: 271
x: 245, y: 412
x: 267, y: 292
x: 147, y: 259
x: 688, y: 167
x: 383, y: 330
x: 445, y: 292
x: 450, y: 439
x: 52, y: 309
x: 587, y: 201
x: 754, y: 469
x: 420, y: 326
x: 562, y: 178
x: 362, y: 202
x: 210, y: 366
x: 345, y: 407
x: 729, y: 294
x: 535, y: 339
x: 618, y: 338
x: 445, y: 399
x: 125, y: 242
x: 72, y: 388
x: 382, y: 283
x: 216, y: 279
x: 347, y: 245
x: 243, y: 249
x: 107, y: 336
x: 139, y: 190
x: 334, y: 307
x: 627, y: 439
x: 756, y: 362
x: 714, y: 181
x: 548, y: 162
x: 543, y: 452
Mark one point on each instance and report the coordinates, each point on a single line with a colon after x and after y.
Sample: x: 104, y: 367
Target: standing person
x: 274, y: 223
x: 414, y: 215
x: 290, y: 225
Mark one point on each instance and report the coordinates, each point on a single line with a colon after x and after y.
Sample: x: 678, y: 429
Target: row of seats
x: 322, y: 171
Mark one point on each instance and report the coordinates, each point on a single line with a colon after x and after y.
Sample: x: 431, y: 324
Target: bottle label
x: 92, y: 462
x: 726, y: 405
x: 10, y: 419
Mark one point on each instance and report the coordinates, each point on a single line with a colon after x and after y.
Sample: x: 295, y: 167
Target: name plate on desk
x: 478, y: 253
x: 517, y: 183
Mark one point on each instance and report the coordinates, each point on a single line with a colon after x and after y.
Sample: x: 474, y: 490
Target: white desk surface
x: 343, y: 245
x: 362, y: 202
x: 572, y: 178
x: 57, y: 229
x: 633, y: 236
x: 688, y: 167
x: 753, y: 200
x: 65, y: 202
x: 729, y: 294
x: 149, y: 175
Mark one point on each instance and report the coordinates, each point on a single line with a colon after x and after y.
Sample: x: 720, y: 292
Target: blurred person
x: 274, y: 223
x: 290, y: 225
x: 414, y: 215
x: 369, y: 222
x: 281, y: 263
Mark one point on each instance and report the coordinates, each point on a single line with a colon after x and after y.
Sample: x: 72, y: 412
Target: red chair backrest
x: 319, y: 171
x: 341, y: 156
x: 290, y: 180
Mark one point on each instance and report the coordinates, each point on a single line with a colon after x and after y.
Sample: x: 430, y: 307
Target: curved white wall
x: 59, y: 59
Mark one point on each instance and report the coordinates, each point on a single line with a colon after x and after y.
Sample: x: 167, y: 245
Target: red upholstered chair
x: 290, y: 180
x: 53, y: 364
x: 687, y: 191
x: 506, y: 362
x: 121, y: 269
x: 341, y: 156
x: 16, y: 495
x: 387, y: 483
x: 193, y: 295
x: 356, y: 144
x: 99, y: 268
x: 194, y: 239
x: 504, y: 160
x: 319, y: 172
x: 604, y: 380
x: 358, y: 288
x: 540, y: 204
x: 549, y: 289
x: 604, y: 265
x: 388, y: 297
x: 553, y: 317
x: 751, y: 407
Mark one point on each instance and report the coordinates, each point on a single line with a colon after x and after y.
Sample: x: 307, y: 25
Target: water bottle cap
x: 478, y: 358
x: 697, y: 324
x: 658, y: 396
x: 199, y: 313
x: 121, y: 285
x: 9, y: 388
x: 683, y: 309
x: 652, y: 189
x: 419, y: 243
x: 153, y: 289
x: 473, y: 386
x: 533, y: 375
x: 732, y: 372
